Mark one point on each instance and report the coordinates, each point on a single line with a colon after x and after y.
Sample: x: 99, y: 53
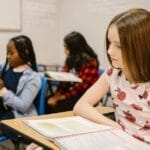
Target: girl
x: 82, y: 61
x: 19, y: 83
x: 128, y: 78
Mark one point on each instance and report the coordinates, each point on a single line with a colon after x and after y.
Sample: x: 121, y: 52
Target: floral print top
x: 132, y: 104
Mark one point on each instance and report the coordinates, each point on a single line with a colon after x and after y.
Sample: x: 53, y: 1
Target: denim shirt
x: 22, y: 102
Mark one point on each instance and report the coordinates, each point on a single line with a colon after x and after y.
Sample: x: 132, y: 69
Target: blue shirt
x: 11, y: 79
x: 22, y: 102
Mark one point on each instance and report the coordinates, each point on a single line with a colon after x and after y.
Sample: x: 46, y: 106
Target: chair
x: 101, y: 71
x: 41, y: 100
x: 3, y: 137
x: 106, y: 98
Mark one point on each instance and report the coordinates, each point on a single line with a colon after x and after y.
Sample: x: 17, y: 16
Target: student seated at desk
x: 19, y: 82
x: 80, y: 60
x: 127, y: 41
x: 128, y: 78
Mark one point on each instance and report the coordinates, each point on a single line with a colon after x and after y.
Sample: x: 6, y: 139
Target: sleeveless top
x: 131, y: 103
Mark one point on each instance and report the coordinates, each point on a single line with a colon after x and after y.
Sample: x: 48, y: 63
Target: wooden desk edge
x: 19, y: 126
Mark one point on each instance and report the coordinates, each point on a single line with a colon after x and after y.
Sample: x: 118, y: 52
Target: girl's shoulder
x: 30, y: 73
x: 110, y: 71
x: 114, y: 75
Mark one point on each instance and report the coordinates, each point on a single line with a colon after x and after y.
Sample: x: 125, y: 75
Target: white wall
x: 47, y: 22
x: 40, y: 23
x: 91, y: 18
x: 12, y: 20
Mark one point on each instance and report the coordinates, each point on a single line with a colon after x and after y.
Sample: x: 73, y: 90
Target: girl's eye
x: 118, y: 46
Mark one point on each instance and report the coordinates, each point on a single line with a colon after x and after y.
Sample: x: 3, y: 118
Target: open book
x: 75, y: 133
x: 62, y: 76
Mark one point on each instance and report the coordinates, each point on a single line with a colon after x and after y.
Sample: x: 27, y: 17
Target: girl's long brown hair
x: 134, y: 33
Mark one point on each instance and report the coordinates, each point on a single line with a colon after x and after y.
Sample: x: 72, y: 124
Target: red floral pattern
x: 121, y: 95
x: 137, y: 107
x: 129, y: 116
x: 138, y: 137
x: 143, y: 95
x: 131, y: 103
x: 146, y: 125
x: 109, y: 71
x: 115, y: 105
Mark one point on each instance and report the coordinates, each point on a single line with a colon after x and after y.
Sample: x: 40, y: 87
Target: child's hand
x: 33, y: 146
x: 1, y: 84
x: 52, y: 101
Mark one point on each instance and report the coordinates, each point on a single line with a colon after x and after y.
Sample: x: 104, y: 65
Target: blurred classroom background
x: 47, y: 21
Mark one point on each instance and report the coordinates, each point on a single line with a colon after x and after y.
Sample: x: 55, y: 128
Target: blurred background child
x: 83, y: 62
x: 19, y: 82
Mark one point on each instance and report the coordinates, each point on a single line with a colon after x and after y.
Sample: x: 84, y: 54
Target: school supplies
x: 62, y: 76
x: 79, y: 133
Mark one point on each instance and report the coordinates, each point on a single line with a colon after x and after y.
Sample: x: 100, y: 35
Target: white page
x: 75, y: 133
x: 102, y: 140
x: 59, y: 127
x: 63, y: 76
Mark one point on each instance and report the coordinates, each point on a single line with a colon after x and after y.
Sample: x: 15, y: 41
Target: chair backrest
x: 101, y: 71
x: 41, y: 103
x: 41, y: 99
x: 3, y: 137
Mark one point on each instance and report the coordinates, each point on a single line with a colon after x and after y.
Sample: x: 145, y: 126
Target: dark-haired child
x: 19, y: 82
x: 80, y: 60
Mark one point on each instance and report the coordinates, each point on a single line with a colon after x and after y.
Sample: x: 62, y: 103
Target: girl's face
x: 66, y: 50
x: 13, y: 56
x: 114, y: 49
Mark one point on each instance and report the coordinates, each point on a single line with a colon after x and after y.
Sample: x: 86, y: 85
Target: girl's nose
x: 110, y: 50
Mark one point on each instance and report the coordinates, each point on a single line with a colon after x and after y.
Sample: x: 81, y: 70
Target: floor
x: 7, y: 145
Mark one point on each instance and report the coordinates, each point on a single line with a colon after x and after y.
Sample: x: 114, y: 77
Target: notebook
x: 75, y: 133
x: 62, y: 76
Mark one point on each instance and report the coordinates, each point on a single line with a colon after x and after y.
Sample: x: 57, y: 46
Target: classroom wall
x: 40, y: 22
x: 91, y: 18
x: 47, y: 22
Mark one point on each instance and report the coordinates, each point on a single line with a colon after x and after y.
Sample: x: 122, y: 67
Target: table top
x: 20, y: 127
